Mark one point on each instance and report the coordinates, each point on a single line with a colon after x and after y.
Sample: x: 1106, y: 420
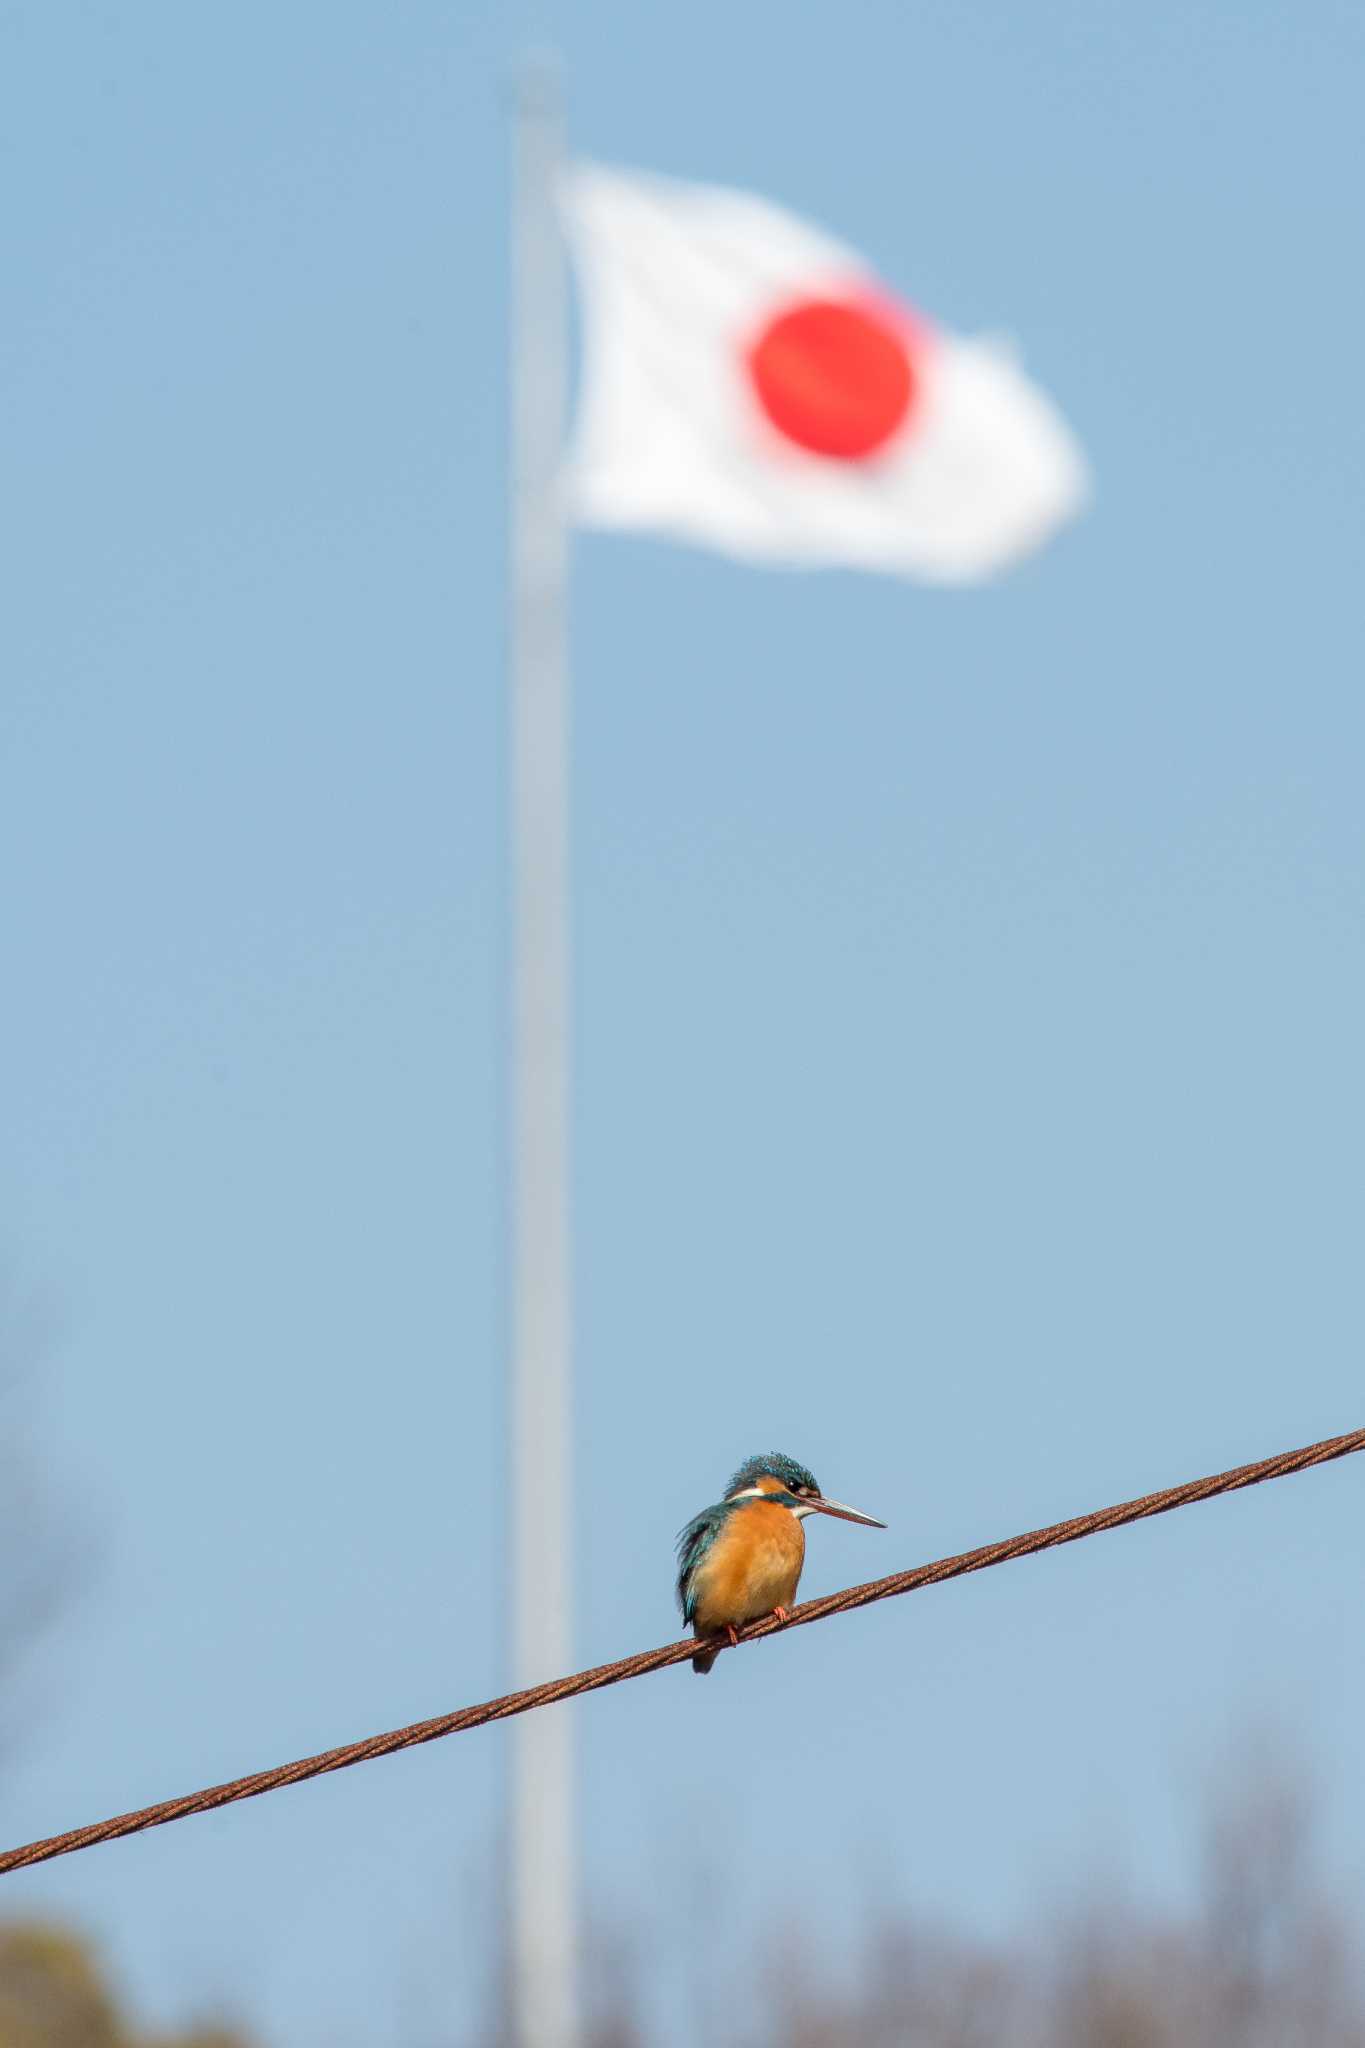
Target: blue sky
x: 968, y: 986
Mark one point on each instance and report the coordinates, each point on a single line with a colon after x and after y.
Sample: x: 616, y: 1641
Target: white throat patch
x: 763, y: 1493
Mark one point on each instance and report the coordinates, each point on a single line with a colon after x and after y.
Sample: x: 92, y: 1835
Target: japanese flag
x: 748, y: 383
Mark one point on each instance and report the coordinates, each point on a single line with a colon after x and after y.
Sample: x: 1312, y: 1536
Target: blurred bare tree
x: 1263, y: 1960
x: 1266, y: 1961
x: 40, y: 1540
x: 53, y: 1992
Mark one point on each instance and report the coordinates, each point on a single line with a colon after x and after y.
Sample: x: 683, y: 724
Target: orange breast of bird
x: 753, y: 1566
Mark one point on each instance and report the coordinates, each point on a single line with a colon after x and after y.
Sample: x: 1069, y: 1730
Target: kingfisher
x: 742, y: 1558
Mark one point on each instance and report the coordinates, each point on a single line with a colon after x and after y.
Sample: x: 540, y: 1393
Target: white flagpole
x: 542, y: 1944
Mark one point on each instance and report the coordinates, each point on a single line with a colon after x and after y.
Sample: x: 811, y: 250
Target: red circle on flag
x: 833, y: 376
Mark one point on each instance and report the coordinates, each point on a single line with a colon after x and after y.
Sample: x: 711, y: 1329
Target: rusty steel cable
x: 912, y: 1581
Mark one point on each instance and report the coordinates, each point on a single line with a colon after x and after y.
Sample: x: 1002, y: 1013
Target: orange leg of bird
x: 780, y: 1614
x: 733, y: 1634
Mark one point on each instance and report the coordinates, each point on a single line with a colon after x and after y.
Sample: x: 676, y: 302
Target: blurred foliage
x: 53, y: 1994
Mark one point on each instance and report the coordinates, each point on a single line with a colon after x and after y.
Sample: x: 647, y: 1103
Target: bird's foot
x: 781, y: 1614
x: 733, y: 1634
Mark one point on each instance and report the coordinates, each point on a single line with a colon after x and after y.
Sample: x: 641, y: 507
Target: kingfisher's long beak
x: 836, y: 1507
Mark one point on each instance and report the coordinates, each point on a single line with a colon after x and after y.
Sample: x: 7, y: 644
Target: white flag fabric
x: 749, y: 384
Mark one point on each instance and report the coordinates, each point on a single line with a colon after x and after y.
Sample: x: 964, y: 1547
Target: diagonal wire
x: 601, y: 1675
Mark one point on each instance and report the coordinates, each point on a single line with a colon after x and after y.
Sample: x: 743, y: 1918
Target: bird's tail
x: 703, y: 1661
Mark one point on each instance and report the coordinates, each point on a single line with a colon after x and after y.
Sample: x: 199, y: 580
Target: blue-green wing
x: 693, y: 1543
